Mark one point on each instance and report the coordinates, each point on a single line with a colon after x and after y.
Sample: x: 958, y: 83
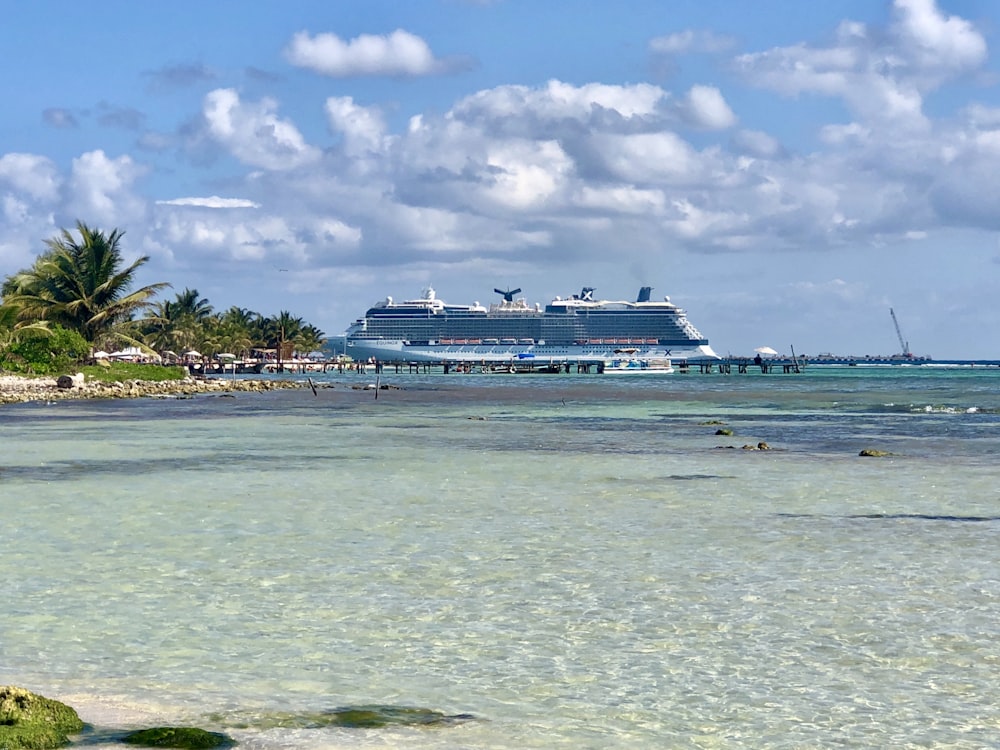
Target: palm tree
x: 11, y: 328
x: 240, y: 316
x: 188, y: 304
x: 180, y: 323
x: 311, y: 339
x: 81, y: 285
x: 282, y: 332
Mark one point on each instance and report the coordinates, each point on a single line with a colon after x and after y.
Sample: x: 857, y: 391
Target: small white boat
x: 638, y: 366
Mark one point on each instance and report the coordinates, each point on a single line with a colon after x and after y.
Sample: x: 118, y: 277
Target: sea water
x: 573, y: 560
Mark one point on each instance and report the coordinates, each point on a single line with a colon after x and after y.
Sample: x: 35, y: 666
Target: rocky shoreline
x: 17, y: 390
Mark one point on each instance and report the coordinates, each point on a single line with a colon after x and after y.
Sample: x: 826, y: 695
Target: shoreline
x: 15, y: 389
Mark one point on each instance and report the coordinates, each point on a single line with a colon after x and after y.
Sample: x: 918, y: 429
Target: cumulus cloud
x: 558, y: 101
x: 397, y: 54
x: 622, y: 200
x: 254, y: 133
x: 934, y: 43
x: 30, y: 174
x: 757, y: 144
x: 837, y: 135
x: 362, y: 128
x: 213, y: 234
x: 101, y: 188
x: 525, y: 175
x: 979, y: 116
x: 704, y: 107
x: 663, y: 158
x: 879, y: 75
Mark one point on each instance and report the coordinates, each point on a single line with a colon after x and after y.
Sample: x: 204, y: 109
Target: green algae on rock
x: 33, y: 722
x: 874, y: 453
x: 379, y: 716
x: 370, y: 716
x: 186, y: 738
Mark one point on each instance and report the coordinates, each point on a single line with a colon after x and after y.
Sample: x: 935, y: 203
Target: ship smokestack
x: 644, y: 293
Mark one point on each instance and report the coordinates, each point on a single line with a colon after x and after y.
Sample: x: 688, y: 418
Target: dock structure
x: 527, y: 366
x: 743, y: 366
x: 512, y: 367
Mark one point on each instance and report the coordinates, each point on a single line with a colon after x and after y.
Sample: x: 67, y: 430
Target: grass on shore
x: 119, y: 372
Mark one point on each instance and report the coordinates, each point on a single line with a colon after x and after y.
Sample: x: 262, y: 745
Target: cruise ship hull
x: 387, y: 350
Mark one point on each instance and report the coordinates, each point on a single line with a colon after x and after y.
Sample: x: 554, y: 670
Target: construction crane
x: 899, y: 334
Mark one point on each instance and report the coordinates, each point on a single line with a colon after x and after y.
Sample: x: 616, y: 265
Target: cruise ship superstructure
x: 576, y: 328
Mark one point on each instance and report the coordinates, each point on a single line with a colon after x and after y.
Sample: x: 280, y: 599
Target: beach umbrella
x: 101, y: 355
x: 765, y: 350
x: 225, y: 355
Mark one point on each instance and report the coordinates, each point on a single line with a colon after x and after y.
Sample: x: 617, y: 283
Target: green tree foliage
x: 289, y: 331
x: 44, y: 352
x: 82, y: 284
x: 176, y: 325
x: 11, y: 329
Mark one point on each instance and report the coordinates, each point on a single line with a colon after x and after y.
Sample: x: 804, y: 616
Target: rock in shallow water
x: 874, y: 453
x: 369, y: 716
x: 32, y: 722
x: 380, y: 716
x: 186, y: 738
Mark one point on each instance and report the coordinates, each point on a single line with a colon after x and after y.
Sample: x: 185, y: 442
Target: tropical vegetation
x: 79, y: 297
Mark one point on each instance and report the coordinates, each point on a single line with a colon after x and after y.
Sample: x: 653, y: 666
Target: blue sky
x: 785, y: 171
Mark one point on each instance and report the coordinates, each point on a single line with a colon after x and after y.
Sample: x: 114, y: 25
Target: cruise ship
x: 578, y: 328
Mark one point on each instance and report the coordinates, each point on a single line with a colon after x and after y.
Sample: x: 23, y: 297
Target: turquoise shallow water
x: 577, y: 561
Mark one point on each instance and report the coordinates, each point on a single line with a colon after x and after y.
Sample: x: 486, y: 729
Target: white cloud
x: 933, y: 42
x: 397, y: 54
x: 254, y: 133
x: 657, y: 158
x: 691, y: 221
x: 229, y: 236
x: 757, y: 144
x: 980, y: 116
x: 15, y: 211
x: 881, y: 76
x: 213, y: 201
x: 836, y: 135
x: 363, y: 128
x: 337, y: 232
x: 690, y: 41
x: 526, y: 175
x: 558, y: 101
x: 34, y: 175
x: 622, y: 199
x: 101, y: 189
x: 214, y: 234
x: 705, y: 107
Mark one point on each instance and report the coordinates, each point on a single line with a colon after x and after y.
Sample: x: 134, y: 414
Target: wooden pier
x: 530, y: 366
x: 742, y: 366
